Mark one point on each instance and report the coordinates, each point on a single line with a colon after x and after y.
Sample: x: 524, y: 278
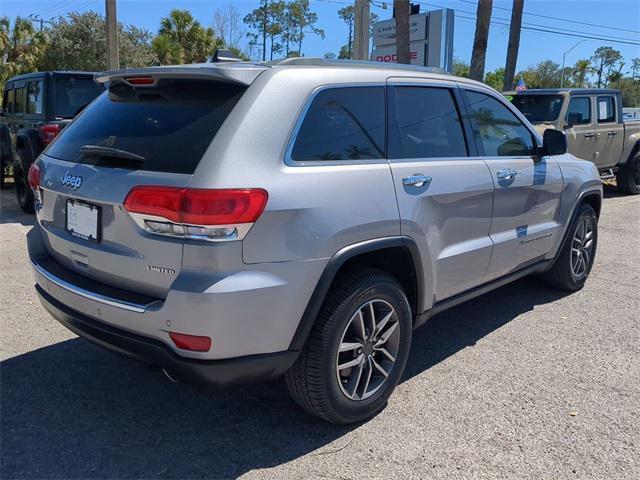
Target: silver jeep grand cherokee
x: 235, y: 222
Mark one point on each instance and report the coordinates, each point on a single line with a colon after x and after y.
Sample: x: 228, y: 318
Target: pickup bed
x: 593, y: 122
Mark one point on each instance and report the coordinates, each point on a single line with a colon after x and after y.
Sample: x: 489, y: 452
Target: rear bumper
x: 227, y: 372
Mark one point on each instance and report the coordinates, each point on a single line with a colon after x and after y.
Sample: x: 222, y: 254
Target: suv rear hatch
x: 150, y: 128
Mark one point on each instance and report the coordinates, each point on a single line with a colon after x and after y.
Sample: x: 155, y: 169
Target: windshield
x: 169, y: 125
x: 75, y: 93
x: 539, y: 108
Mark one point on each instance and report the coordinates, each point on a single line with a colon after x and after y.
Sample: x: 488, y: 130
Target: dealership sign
x: 430, y: 37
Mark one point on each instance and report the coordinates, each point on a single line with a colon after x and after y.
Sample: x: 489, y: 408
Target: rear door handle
x: 612, y: 133
x: 416, y: 180
x: 506, y: 174
x: 589, y: 135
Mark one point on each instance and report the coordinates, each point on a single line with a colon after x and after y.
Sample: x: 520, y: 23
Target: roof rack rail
x: 319, y: 62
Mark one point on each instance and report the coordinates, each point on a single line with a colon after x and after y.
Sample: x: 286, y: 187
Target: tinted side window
x: 11, y: 101
x: 606, y: 110
x: 7, y: 101
x: 425, y: 123
x: 20, y: 100
x: 502, y: 134
x: 34, y: 97
x: 343, y: 124
x: 579, y: 112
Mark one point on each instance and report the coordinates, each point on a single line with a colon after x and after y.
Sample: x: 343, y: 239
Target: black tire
x: 562, y: 275
x: 628, y: 176
x: 24, y: 194
x: 313, y: 381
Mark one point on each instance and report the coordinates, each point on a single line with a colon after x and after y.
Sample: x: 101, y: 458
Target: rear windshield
x: 539, y: 108
x: 169, y: 125
x: 75, y: 93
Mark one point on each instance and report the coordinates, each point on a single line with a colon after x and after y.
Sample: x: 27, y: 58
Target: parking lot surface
x: 525, y: 382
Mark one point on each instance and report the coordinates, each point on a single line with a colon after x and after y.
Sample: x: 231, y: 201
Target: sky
x: 618, y: 19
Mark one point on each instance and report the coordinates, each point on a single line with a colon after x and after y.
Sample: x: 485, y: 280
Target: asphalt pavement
x: 525, y: 382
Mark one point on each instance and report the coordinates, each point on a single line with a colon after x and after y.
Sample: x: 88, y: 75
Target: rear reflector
x: 195, y: 343
x: 34, y: 176
x: 198, y: 206
x: 48, y: 132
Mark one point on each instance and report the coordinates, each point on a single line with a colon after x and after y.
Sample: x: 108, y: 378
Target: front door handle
x: 416, y: 180
x: 506, y: 174
x: 589, y: 135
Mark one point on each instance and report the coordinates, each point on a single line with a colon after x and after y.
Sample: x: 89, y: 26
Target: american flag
x: 520, y: 86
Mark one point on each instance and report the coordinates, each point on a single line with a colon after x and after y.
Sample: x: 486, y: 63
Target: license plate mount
x: 83, y: 220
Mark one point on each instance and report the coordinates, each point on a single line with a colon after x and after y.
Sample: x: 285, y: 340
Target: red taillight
x: 34, y: 176
x: 198, y: 206
x: 140, y: 80
x: 158, y: 201
x: 195, y: 343
x: 222, y: 207
x: 48, y: 132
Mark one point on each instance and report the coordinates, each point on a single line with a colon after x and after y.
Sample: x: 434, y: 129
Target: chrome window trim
x: 289, y: 161
x: 96, y: 297
x: 503, y: 101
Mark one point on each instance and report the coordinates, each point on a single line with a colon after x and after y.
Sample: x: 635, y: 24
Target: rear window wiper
x: 101, y: 150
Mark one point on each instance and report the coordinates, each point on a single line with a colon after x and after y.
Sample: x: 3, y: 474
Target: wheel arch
x: 590, y: 197
x: 398, y: 256
x: 631, y: 149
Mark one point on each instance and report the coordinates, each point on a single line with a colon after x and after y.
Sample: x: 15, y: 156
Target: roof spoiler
x: 242, y: 74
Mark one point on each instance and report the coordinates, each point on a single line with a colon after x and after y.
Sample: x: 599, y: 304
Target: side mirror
x: 554, y: 142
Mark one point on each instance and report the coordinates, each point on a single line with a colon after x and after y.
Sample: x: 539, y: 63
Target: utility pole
x: 401, y: 8
x: 361, y: 30
x: 113, y: 62
x: 514, y: 44
x: 564, y: 55
x: 480, y: 40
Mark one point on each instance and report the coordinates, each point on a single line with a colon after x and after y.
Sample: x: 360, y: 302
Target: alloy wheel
x: 582, y: 248
x: 368, y: 349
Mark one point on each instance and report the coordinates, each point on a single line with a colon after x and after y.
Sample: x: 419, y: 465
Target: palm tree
x: 580, y: 71
x: 480, y: 40
x: 514, y: 43
x: 20, y: 47
x: 182, y: 29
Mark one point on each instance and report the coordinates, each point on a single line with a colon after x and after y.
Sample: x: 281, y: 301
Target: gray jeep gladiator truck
x: 592, y: 119
x: 35, y: 108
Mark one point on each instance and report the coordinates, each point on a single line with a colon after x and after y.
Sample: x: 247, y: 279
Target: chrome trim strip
x: 96, y: 297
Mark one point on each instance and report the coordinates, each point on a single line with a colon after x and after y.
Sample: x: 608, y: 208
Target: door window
x: 501, y: 133
x: 34, y: 97
x: 579, y: 112
x: 606, y: 110
x: 343, y: 124
x: 20, y: 100
x: 425, y: 124
x: 10, y: 101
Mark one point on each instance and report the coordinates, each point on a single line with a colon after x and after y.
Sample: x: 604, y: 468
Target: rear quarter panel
x: 313, y: 210
x: 632, y: 140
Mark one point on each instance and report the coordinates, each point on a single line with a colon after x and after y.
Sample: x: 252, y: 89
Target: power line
x: 541, y: 28
x: 57, y: 6
x: 560, y: 19
x: 554, y: 32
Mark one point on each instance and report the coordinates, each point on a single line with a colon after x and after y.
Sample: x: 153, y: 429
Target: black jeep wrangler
x: 35, y: 108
